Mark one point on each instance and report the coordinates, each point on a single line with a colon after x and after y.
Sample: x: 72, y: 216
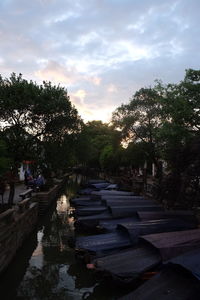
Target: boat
x: 112, y: 193
x: 111, y: 224
x: 117, y: 210
x: 126, y: 235
x: 179, y: 279
x: 128, y: 265
x: 121, y: 197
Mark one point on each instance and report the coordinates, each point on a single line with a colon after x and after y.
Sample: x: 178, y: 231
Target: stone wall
x: 17, y: 223
x: 44, y: 199
x: 15, y: 226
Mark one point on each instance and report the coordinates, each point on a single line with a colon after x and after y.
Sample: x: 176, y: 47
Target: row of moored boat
x: 131, y: 239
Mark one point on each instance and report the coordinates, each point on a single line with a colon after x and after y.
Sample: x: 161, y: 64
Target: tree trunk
x: 12, y: 192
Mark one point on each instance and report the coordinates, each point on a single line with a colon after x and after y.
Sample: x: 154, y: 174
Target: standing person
x: 2, y: 188
x: 26, y: 174
x: 10, y: 177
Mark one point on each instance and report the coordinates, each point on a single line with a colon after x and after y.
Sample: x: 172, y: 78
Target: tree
x: 5, y: 161
x: 32, y: 114
x: 140, y: 121
x: 110, y: 158
x: 95, y: 136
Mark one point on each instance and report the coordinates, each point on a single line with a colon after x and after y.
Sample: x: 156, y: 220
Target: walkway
x: 19, y: 188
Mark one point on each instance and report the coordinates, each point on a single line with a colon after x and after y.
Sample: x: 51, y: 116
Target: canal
x: 46, y: 268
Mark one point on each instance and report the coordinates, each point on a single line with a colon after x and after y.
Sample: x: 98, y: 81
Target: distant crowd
x: 34, y: 183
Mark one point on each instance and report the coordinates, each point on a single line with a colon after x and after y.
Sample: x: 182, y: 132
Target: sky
x: 101, y: 51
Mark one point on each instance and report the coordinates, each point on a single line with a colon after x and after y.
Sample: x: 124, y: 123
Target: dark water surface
x: 45, y: 268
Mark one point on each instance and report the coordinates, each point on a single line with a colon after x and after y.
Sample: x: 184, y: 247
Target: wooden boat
x: 117, y: 210
x: 126, y: 266
x: 100, y: 185
x: 182, y: 214
x: 112, y: 193
x: 95, y: 223
x: 88, y: 202
x: 129, y: 210
x: 111, y: 224
x: 178, y: 280
x: 86, y: 191
x: 121, y: 197
x: 94, y: 181
x: 91, y: 223
x: 112, y: 186
x: 91, y: 210
x: 126, y: 235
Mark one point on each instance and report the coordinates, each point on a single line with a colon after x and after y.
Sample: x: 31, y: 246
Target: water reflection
x: 45, y: 267
x: 52, y: 271
x: 11, y: 278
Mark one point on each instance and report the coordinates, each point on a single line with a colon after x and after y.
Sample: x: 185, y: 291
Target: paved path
x: 19, y: 188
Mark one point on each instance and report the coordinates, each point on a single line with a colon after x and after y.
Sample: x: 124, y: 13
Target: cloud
x: 54, y: 72
x: 101, y: 51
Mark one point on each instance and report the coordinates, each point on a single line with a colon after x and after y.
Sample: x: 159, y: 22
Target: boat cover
x: 82, y: 198
x: 102, y: 216
x: 94, y: 181
x: 88, y: 203
x: 112, y: 221
x: 116, y: 197
x: 117, y: 193
x: 182, y: 214
x: 102, y: 243
x: 190, y: 261
x: 113, y: 186
x: 99, y: 186
x: 91, y: 210
x: 127, y: 235
x: 171, y: 244
x: 127, y: 202
x: 110, y: 225
x: 153, y: 226
x: 125, y: 211
x: 129, y: 263
x: 86, y: 191
x: 116, y: 211
x: 170, y: 284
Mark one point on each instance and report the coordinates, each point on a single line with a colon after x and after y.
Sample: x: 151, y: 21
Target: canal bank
x: 45, y: 268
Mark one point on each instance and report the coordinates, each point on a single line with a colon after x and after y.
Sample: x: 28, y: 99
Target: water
x: 45, y: 267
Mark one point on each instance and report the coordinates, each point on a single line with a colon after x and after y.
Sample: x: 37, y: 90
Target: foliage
x: 135, y: 155
x: 162, y: 123
x: 33, y: 116
x: 139, y: 120
x: 5, y: 161
x: 110, y: 158
x: 95, y: 137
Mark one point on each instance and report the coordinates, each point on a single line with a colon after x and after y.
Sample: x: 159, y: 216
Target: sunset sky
x: 102, y: 51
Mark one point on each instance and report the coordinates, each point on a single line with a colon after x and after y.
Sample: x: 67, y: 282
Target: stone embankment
x: 18, y: 222
x: 44, y: 199
x: 15, y: 226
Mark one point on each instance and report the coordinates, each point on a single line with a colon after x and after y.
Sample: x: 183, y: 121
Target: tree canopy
x: 32, y: 115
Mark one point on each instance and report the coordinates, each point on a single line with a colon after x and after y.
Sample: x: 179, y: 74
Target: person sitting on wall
x: 40, y: 181
x: 30, y: 181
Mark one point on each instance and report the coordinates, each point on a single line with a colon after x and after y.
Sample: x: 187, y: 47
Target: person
x: 2, y: 188
x: 11, y: 178
x: 39, y: 181
x: 26, y: 174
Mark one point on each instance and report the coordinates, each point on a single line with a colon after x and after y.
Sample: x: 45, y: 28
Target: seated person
x: 30, y: 181
x: 39, y: 181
